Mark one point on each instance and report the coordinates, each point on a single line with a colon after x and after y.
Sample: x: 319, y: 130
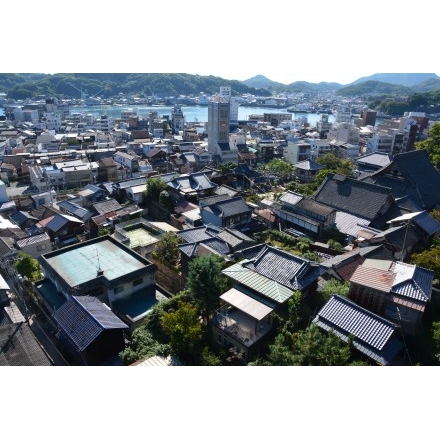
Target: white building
x: 297, y: 150
x: 344, y: 132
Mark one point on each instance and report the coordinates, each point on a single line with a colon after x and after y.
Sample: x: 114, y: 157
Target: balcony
x: 240, y: 326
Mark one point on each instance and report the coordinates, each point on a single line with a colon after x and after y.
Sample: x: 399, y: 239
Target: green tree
x: 143, y: 345
x: 184, y: 329
x: 27, y: 266
x: 310, y: 347
x: 206, y: 283
x: 279, y: 167
x: 165, y: 200
x: 155, y: 185
x: 429, y: 259
x: 432, y: 144
x: 209, y: 359
x: 167, y: 249
x: 436, y: 338
x: 335, y: 287
x: 103, y: 231
x: 334, y: 164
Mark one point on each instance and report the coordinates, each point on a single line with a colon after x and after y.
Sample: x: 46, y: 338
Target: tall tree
x: 155, y: 185
x: 27, y: 266
x: 184, y: 328
x: 167, y: 249
x: 143, y: 345
x: 432, y: 145
x: 206, y: 283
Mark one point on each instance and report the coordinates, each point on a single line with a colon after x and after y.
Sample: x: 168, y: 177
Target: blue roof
x: 83, y: 318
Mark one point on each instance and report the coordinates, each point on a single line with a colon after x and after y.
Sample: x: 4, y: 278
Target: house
x: 34, y: 245
x: 135, y: 193
x: 304, y: 214
x: 24, y: 220
x: 141, y: 235
x: 372, y: 162
x: 372, y: 335
x: 103, y: 268
x: 223, y: 211
x: 89, y: 331
x: 62, y: 228
x: 261, y: 283
x: 190, y: 187
x: 156, y: 157
x: 342, y: 267
x: 127, y: 161
x: 306, y: 170
x: 410, y: 174
x: 394, y: 290
x: 123, y: 187
x: 186, y: 215
x: 107, y: 170
x: 74, y: 208
x: 226, y: 243
x: 90, y: 194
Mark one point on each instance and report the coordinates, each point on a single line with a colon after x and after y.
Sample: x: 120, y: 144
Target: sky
x: 337, y: 41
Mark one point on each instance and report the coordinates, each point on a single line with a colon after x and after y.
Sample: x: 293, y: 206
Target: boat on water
x: 297, y: 110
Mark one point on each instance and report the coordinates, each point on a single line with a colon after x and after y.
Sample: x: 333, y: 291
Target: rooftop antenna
x: 100, y: 271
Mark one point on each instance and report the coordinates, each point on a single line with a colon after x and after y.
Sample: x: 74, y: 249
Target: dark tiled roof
x: 373, y: 335
x: 195, y: 235
x: 411, y: 174
x: 231, y: 207
x: 19, y: 347
x: 398, y: 236
x: 352, y: 196
x: 309, y: 165
x: 412, y: 281
x: 287, y: 269
x: 130, y: 182
x: 212, y: 200
x: 83, y: 318
x: 21, y: 217
x: 311, y: 206
x: 107, y: 206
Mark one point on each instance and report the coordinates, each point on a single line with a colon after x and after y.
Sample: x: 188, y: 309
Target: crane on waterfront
x: 83, y: 93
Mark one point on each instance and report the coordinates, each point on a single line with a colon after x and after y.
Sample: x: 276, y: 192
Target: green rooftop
x: 80, y: 264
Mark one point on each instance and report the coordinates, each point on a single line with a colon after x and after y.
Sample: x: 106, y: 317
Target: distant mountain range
x: 378, y: 83
x: 104, y: 85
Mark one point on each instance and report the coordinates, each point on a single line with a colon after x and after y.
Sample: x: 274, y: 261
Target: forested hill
x: 71, y: 85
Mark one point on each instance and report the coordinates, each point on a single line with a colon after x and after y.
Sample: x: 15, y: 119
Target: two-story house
x: 225, y: 212
x: 260, y: 284
x: 103, y: 268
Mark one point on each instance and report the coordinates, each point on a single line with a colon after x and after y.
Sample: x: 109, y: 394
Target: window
x: 41, y: 247
x: 138, y: 281
x: 118, y: 289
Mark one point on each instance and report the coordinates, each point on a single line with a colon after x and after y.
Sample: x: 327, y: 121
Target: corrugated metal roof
x: 33, y: 240
x: 245, y: 303
x: 350, y: 224
x: 290, y: 198
x: 159, y: 361
x: 372, y: 277
x: 259, y: 283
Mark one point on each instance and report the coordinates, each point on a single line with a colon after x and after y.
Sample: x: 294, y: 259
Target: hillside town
x: 150, y: 240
